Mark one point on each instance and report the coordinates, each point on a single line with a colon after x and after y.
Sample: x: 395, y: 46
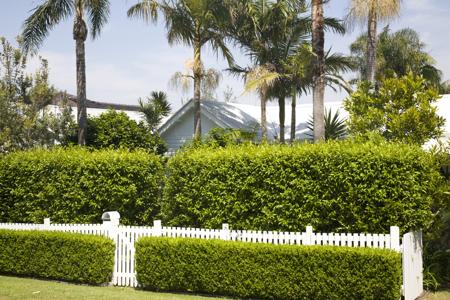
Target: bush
x: 267, y: 271
x: 57, y: 255
x: 402, y: 110
x: 116, y: 130
x: 77, y: 185
x: 335, y: 187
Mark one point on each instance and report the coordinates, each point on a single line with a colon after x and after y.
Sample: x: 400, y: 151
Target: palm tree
x: 51, y: 12
x: 318, y: 42
x: 372, y: 12
x: 154, y: 109
x: 298, y: 74
x: 301, y: 68
x: 194, y: 23
x: 262, y: 78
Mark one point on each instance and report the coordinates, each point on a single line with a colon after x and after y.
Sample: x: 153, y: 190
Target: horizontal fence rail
x: 126, y: 236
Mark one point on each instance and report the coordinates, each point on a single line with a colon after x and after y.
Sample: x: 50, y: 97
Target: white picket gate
x: 126, y: 236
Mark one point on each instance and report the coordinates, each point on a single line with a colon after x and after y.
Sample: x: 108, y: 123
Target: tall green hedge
x: 77, y: 185
x: 267, y: 271
x: 57, y: 255
x: 335, y: 186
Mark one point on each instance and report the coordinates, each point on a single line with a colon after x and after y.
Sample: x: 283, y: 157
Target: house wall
x: 183, y: 131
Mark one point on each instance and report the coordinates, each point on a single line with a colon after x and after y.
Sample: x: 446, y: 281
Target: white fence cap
x: 112, y: 216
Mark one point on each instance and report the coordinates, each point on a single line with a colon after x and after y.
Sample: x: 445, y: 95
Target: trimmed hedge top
x: 335, y: 186
x: 267, y: 271
x: 57, y: 255
x: 77, y: 185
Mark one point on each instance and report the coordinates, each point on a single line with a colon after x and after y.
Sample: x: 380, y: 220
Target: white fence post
x: 157, y: 228
x: 46, y: 225
x: 412, y: 265
x: 225, y: 232
x: 309, y: 234
x: 111, y: 221
x: 394, y: 234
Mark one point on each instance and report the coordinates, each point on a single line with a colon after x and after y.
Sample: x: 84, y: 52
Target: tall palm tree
x: 51, y: 12
x: 194, y: 23
x: 318, y: 42
x: 372, y: 12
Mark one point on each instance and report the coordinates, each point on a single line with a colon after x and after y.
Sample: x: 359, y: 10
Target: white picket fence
x: 125, y: 237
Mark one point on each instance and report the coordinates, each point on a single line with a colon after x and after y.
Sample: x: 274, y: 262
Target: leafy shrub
x: 401, y: 110
x: 57, y: 255
x: 77, y: 185
x: 335, y: 186
x: 267, y: 271
x: 116, y: 130
x: 437, y: 235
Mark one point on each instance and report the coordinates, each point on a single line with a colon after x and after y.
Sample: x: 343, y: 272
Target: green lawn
x: 13, y: 288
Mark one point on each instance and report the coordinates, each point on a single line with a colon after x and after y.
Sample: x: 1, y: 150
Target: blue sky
x: 131, y: 58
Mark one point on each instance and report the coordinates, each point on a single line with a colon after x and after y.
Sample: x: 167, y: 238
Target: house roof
x: 72, y: 101
x: 223, y: 114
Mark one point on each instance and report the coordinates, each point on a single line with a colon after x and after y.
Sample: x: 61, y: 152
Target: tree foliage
x: 154, y: 109
x: 26, y: 119
x: 116, y: 130
x: 401, y: 110
x: 397, y: 54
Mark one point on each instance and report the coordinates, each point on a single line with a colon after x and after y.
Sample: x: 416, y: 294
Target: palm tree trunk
x: 371, y: 45
x: 263, y: 99
x: 79, y: 35
x: 282, y: 116
x: 197, y: 91
x: 293, y: 114
x: 318, y: 41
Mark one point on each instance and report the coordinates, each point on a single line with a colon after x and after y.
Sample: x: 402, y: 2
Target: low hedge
x: 57, y: 255
x: 334, y: 186
x: 77, y: 185
x: 267, y: 271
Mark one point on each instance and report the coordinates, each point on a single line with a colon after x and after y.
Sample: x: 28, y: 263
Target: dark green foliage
x: 57, y: 255
x: 116, y: 130
x: 437, y: 235
x: 154, y: 109
x: 267, y: 271
x: 334, y: 186
x: 77, y: 185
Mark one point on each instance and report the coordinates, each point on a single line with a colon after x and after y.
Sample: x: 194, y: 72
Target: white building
x: 179, y: 127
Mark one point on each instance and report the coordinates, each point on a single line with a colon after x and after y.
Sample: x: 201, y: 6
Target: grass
x: 14, y: 288
x: 443, y: 295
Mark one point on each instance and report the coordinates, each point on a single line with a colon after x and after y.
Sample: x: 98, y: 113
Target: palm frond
x: 44, y: 17
x: 181, y: 81
x: 98, y: 14
x: 261, y: 78
x: 145, y: 9
x: 335, y: 127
